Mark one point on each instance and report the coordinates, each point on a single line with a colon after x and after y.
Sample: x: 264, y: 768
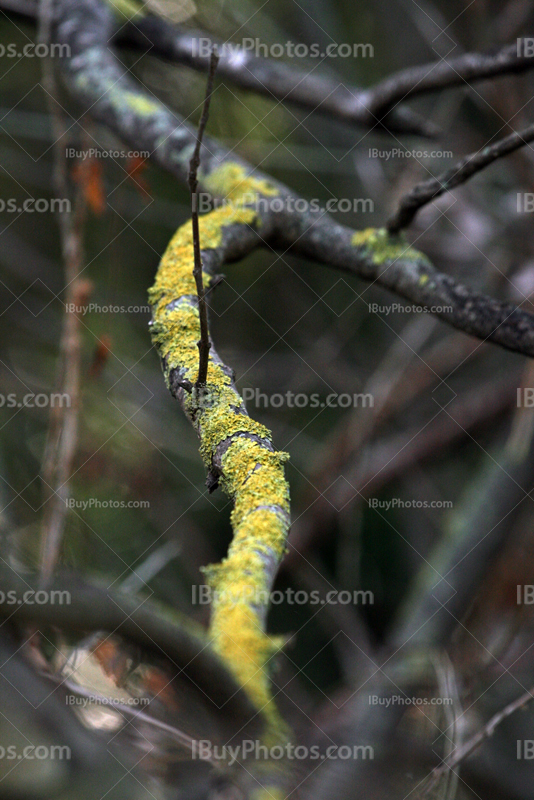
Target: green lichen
x: 251, y: 474
x: 381, y: 246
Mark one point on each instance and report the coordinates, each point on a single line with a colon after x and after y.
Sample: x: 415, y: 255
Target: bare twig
x: 469, y: 165
x: 448, y: 687
x: 445, y: 73
x: 461, y: 753
x: 63, y: 426
x: 62, y: 434
x: 126, y: 710
x: 204, y: 344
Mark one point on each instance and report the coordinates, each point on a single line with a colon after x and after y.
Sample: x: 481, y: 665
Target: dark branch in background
x: 474, y: 537
x: 474, y: 742
x: 445, y: 73
x: 204, y: 343
x: 92, y: 768
x: 376, y: 107
x: 390, y: 457
x: 91, y: 608
x: 101, y: 83
x: 428, y: 190
x: 442, y: 592
x: 63, y: 425
x: 278, y: 81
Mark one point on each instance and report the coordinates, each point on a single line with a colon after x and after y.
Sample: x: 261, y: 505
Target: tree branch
x: 445, y: 73
x: 98, y: 81
x: 474, y: 742
x: 63, y: 426
x: 236, y: 451
x: 275, y: 80
x: 81, y: 606
x: 469, y: 165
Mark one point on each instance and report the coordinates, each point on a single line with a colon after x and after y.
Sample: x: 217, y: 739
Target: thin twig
x: 63, y: 426
x: 445, y: 73
x: 125, y: 710
x: 204, y: 344
x: 422, y: 193
x: 472, y: 744
x: 448, y: 687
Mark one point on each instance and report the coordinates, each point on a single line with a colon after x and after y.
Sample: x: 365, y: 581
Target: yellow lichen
x: 140, y: 104
x: 251, y: 473
x: 383, y: 246
x: 270, y: 793
x: 128, y: 9
x: 231, y: 181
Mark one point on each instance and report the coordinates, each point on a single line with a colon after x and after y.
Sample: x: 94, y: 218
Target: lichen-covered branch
x: 236, y: 450
x: 103, y: 86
